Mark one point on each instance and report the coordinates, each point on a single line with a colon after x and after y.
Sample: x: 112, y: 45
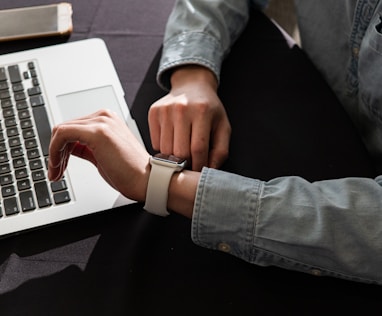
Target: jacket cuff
x: 189, y: 48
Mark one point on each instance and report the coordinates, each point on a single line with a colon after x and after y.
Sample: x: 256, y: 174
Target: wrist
x: 162, y: 169
x: 170, y: 187
x: 193, y: 73
x: 182, y: 192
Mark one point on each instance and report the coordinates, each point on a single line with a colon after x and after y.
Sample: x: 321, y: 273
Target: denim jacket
x: 328, y: 228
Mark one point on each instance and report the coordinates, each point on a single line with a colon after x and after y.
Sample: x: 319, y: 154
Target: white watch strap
x: 157, y: 190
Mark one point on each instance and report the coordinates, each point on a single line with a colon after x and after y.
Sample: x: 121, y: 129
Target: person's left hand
x: 105, y: 140
x: 191, y: 121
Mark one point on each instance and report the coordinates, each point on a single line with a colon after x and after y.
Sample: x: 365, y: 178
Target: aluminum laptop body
x: 71, y: 80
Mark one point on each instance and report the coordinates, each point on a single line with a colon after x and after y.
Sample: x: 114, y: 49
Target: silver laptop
x: 38, y: 89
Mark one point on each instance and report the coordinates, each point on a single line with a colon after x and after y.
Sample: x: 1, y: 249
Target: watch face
x: 170, y: 158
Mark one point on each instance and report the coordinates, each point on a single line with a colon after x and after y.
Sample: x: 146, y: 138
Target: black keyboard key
x: 8, y: 112
x: 27, y: 201
x: 23, y: 184
x: 42, y: 194
x: 6, y: 179
x: 16, y: 152
x: 3, y: 147
x: 37, y: 100
x: 33, y: 154
x: 14, y: 142
x: 4, y: 85
x: 33, y: 73
x: 3, y: 157
x: 4, y: 95
x: 21, y: 173
x: 21, y: 105
x: 10, y: 206
x: 26, y: 124
x: 6, y: 104
x: 3, y: 75
x: 35, y: 164
x: 24, y: 114
x: 14, y: 74
x: 17, y: 87
x: 10, y: 122
x: 13, y: 131
x: 58, y: 186
x: 34, y: 91
x: 61, y: 197
x: 30, y: 142
x: 19, y: 96
x: 18, y: 162
x: 27, y: 134
x: 5, y: 168
x: 38, y: 175
x: 43, y: 128
x: 7, y: 191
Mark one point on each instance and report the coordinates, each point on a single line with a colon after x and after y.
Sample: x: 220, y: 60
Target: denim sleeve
x: 202, y: 32
x: 325, y: 228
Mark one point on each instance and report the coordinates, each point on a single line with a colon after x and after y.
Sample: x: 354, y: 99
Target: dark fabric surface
x: 126, y: 262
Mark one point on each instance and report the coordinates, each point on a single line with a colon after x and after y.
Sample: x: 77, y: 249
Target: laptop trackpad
x: 81, y: 103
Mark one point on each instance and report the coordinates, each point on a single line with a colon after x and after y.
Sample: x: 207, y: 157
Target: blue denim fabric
x: 325, y: 228
x: 344, y: 40
x: 331, y: 228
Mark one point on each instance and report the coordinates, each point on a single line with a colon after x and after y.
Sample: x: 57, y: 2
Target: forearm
x: 331, y: 228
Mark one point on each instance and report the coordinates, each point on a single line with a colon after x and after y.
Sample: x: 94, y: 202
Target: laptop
x: 40, y: 88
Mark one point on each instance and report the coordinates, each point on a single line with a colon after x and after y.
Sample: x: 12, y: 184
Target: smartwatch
x: 162, y: 169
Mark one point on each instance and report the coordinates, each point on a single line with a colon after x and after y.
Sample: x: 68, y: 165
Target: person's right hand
x: 105, y: 140
x: 191, y: 122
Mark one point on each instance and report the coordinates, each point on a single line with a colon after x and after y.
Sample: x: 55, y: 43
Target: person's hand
x: 105, y: 140
x: 191, y: 122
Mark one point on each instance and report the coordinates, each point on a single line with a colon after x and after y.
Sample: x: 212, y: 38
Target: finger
x: 64, y: 139
x: 200, y: 140
x: 154, y: 127
x: 105, y: 112
x: 219, y: 149
x: 166, y: 137
x: 81, y: 129
x: 182, y: 138
x: 56, y: 167
x: 161, y: 129
x: 84, y: 152
x: 65, y: 155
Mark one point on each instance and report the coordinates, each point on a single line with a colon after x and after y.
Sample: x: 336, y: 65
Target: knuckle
x: 222, y: 153
x: 203, y: 109
x: 107, y: 113
x: 153, y: 111
x: 58, y: 129
x: 165, y: 150
x: 198, y: 148
x: 181, y: 152
x: 161, y: 113
x: 102, y: 129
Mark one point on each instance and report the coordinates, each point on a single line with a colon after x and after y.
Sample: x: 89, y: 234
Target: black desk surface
x: 128, y: 262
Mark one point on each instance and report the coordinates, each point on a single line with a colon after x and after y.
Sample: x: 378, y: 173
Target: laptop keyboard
x: 25, y: 134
